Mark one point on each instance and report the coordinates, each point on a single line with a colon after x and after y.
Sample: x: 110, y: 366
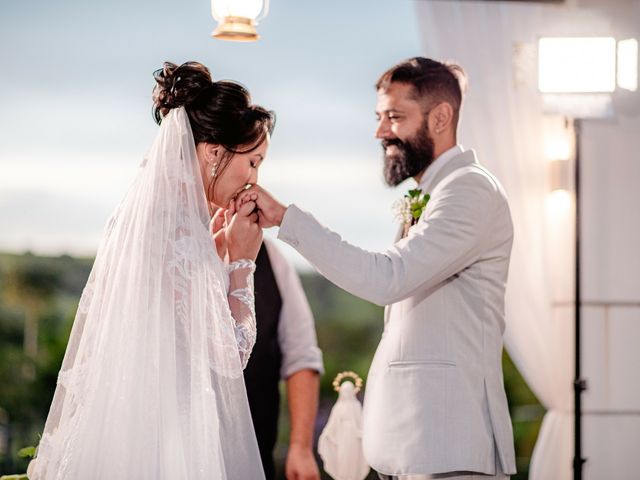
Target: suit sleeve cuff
x: 287, y: 232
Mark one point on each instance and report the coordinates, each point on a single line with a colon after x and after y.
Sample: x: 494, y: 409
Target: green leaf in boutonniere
x: 409, y: 209
x: 416, y: 201
x: 415, y: 193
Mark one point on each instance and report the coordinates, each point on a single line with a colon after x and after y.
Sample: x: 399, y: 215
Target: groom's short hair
x: 432, y: 81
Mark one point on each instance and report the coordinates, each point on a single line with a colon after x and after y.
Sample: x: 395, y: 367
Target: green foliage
x: 348, y: 328
x: 526, y: 415
x: 47, y: 289
x: 27, y: 452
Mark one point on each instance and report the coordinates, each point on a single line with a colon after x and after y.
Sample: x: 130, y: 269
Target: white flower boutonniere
x: 409, y: 208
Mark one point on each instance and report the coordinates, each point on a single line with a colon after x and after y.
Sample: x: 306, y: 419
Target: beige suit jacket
x: 435, y: 400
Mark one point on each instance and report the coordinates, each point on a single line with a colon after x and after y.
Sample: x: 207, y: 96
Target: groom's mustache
x: 392, y: 141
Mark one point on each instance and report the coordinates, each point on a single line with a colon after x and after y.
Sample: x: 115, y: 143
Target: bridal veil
x: 151, y: 385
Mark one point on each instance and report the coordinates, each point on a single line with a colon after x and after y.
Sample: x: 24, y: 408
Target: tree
x: 29, y: 286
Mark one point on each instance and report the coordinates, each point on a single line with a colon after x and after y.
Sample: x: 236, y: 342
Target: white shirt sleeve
x: 296, y: 328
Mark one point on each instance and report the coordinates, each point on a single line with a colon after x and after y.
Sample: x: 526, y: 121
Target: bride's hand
x: 243, y: 234
x: 270, y: 210
x: 217, y: 229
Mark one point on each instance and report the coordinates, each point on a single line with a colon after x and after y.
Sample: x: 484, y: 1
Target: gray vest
x: 262, y: 374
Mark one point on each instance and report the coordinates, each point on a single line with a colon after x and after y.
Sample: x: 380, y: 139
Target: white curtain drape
x: 503, y: 121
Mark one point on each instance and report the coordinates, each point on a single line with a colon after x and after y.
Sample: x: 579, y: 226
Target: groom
x: 435, y: 402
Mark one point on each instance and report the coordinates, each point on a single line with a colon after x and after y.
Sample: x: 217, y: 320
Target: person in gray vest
x: 286, y: 349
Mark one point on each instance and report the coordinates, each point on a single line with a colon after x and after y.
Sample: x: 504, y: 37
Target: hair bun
x: 178, y: 86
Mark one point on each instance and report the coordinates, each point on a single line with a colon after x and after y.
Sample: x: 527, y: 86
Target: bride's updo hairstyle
x: 219, y: 112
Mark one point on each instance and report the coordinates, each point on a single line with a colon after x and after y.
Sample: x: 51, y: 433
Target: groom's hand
x: 270, y: 211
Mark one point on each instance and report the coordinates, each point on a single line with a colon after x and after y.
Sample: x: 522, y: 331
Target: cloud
x: 46, y: 222
x: 64, y: 209
x: 76, y: 112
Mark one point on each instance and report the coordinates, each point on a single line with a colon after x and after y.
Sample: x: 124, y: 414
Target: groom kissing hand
x: 435, y: 405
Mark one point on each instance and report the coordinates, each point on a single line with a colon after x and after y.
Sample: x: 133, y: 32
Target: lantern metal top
x: 239, y: 29
x: 237, y: 19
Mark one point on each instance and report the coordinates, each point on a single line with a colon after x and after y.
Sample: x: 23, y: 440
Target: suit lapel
x: 462, y: 160
x: 399, y: 233
x: 459, y: 161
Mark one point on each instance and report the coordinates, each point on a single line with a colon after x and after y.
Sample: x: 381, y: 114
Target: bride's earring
x: 214, y: 170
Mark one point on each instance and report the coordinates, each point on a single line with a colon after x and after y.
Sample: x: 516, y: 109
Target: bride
x: 151, y: 385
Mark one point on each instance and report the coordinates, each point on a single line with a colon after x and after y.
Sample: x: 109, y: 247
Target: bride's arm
x: 241, y: 303
x: 243, y: 238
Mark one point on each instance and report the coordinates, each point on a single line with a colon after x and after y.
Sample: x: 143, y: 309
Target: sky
x: 75, y: 89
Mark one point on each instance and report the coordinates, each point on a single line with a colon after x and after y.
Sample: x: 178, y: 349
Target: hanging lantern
x: 237, y: 19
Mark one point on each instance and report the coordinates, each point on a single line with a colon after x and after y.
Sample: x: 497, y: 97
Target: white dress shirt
x: 296, y: 328
x: 438, y: 163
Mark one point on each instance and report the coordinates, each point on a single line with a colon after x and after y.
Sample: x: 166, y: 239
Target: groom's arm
x: 452, y: 236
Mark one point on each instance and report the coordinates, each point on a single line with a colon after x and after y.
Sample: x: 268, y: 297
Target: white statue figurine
x: 340, y: 444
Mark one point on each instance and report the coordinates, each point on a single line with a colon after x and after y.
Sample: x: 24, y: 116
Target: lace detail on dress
x: 242, y: 304
x: 242, y: 263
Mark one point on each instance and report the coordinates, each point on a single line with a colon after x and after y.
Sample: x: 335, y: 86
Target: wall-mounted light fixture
x: 578, y: 75
x: 582, y: 73
x: 628, y: 64
x: 558, y: 152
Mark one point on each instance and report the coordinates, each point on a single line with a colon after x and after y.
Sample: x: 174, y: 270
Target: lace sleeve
x: 241, y: 303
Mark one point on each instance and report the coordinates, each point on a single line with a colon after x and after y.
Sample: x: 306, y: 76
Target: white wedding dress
x: 151, y: 385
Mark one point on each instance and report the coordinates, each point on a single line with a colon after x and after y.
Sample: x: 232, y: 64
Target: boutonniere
x: 409, y: 208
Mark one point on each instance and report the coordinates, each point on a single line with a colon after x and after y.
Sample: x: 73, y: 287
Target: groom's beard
x: 412, y: 156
